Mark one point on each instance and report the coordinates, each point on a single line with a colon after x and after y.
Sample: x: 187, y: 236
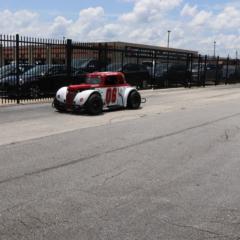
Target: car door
x: 49, y: 79
x: 111, y: 92
x: 57, y: 78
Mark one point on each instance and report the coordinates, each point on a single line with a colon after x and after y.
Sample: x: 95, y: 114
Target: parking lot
x: 169, y: 170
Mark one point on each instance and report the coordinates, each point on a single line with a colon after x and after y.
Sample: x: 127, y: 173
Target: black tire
x: 134, y: 100
x: 94, y: 105
x: 57, y: 106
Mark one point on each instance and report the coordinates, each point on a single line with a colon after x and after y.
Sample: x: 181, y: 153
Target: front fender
x: 61, y: 94
x: 82, y: 97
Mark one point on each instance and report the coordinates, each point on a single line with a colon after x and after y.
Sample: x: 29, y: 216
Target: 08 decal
x: 111, y: 95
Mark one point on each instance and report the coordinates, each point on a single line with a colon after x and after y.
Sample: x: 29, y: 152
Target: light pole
x: 168, y: 38
x: 166, y: 80
x: 214, y: 49
x: 236, y: 66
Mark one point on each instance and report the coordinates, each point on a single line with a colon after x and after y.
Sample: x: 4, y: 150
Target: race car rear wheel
x: 94, y: 105
x: 134, y: 100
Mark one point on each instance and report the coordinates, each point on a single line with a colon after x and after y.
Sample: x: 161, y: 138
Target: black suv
x: 87, y: 65
x: 177, y: 74
x: 45, y: 80
x: 209, y: 74
x: 135, y: 74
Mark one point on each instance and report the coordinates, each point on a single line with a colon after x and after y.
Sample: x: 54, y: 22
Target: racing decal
x: 114, y: 95
x: 111, y: 96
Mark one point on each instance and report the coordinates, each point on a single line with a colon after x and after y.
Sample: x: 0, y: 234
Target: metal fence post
x: 102, y: 56
x: 105, y: 56
x: 69, y: 58
x: 190, y: 72
x: 205, y: 71
x: 154, y: 60
x: 236, y: 67
x: 122, y: 57
x: 226, y: 77
x: 166, y: 84
x: 199, y: 72
x: 17, y: 67
x: 217, y: 72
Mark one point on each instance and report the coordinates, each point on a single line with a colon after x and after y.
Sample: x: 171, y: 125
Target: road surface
x: 170, y: 170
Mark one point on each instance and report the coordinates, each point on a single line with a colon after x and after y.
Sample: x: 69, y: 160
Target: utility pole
x: 236, y: 65
x: 214, y: 49
x: 168, y: 38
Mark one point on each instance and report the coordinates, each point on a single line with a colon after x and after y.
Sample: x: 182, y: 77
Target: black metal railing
x: 33, y: 68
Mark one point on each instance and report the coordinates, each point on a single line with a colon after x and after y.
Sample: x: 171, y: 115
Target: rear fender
x: 126, y: 94
x: 82, y: 97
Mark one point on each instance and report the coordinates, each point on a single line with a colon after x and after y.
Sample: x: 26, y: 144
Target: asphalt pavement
x: 170, y: 170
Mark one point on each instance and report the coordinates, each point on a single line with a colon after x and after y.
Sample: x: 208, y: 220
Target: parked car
x: 209, y: 74
x: 231, y: 73
x: 135, y: 74
x: 160, y: 71
x: 101, y: 90
x: 11, y: 70
x: 78, y: 76
x: 44, y: 80
x: 177, y: 74
x: 8, y: 75
x: 87, y: 65
x: 150, y: 66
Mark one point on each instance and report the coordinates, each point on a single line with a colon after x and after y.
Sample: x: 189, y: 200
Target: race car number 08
x: 111, y: 95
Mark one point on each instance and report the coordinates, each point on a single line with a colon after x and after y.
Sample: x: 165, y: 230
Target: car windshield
x: 93, y: 80
x: 7, y: 69
x: 79, y: 63
x: 37, y: 70
x: 195, y: 65
x: 114, y: 67
x: 78, y: 72
x: 211, y: 66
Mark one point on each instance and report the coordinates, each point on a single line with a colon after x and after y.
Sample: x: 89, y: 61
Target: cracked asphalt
x: 170, y: 170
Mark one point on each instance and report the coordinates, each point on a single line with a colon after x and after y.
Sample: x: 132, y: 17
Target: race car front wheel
x: 57, y: 106
x: 94, y: 105
x: 134, y: 100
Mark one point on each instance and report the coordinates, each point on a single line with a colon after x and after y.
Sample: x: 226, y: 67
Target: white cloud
x: 59, y: 26
x: 146, y: 10
x: 192, y: 27
x: 89, y: 19
x: 229, y: 18
x: 201, y: 18
x: 189, y: 10
x: 17, y: 22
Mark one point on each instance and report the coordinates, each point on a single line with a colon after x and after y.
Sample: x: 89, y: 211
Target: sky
x: 194, y: 24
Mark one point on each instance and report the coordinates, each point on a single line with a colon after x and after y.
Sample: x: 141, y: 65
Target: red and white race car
x: 101, y: 90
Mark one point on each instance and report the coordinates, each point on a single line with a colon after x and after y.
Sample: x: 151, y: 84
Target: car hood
x: 9, y: 78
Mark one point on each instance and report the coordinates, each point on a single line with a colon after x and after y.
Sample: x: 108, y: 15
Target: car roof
x: 105, y: 74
